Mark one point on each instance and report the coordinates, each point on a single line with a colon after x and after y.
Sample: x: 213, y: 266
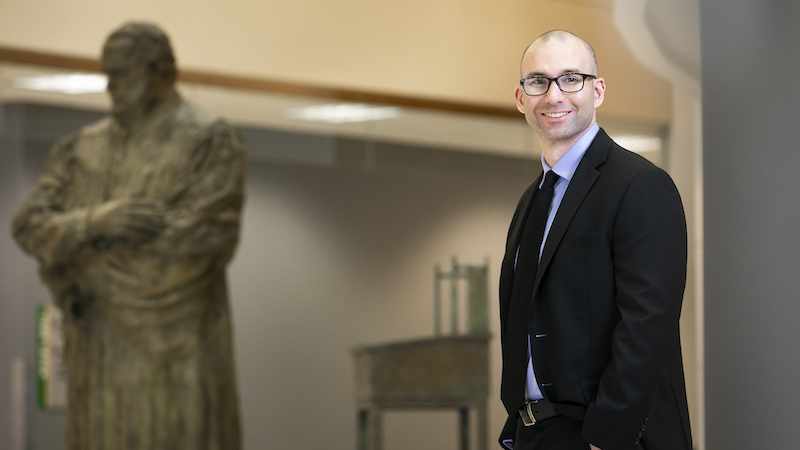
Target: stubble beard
x: 134, y: 105
x: 562, y: 132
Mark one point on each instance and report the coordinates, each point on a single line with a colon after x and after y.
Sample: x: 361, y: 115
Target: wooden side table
x: 441, y: 372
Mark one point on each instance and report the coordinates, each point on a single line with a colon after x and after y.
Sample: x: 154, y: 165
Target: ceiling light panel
x: 74, y: 83
x: 343, y: 113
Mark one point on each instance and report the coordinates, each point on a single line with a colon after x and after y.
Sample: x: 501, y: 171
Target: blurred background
x: 383, y: 140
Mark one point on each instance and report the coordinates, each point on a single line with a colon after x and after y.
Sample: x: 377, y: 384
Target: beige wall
x: 333, y: 259
x: 465, y: 50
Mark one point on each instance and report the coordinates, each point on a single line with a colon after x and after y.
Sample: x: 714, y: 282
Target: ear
x: 599, y: 91
x: 519, y: 95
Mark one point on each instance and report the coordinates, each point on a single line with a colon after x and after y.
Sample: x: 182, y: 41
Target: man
x: 133, y: 221
x: 592, y: 281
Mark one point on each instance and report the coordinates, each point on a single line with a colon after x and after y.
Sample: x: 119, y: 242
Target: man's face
x: 558, y: 117
x: 130, y: 84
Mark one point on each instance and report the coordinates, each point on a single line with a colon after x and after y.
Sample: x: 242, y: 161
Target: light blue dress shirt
x: 565, y: 169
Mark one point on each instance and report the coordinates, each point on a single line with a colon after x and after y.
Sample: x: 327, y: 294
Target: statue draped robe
x: 147, y: 329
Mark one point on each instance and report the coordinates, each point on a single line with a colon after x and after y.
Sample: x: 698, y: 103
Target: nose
x: 554, y: 94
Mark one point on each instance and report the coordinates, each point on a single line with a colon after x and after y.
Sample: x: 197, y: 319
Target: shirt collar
x: 568, y: 164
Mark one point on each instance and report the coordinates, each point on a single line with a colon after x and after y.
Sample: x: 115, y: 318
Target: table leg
x: 463, y: 421
x: 369, y: 429
x: 482, y: 424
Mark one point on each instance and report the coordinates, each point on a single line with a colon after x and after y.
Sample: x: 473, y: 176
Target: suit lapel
x: 525, y: 209
x: 514, y: 330
x: 515, y: 234
x: 582, y: 181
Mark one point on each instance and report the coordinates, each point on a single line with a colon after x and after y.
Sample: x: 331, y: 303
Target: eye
x: 538, y: 81
x: 570, y: 78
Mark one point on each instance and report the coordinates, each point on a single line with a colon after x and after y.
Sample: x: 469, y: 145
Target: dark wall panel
x: 751, y: 116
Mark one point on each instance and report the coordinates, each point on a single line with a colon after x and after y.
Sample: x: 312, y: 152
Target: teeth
x: 555, y: 114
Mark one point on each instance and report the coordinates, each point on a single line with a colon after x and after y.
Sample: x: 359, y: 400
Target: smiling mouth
x: 556, y: 115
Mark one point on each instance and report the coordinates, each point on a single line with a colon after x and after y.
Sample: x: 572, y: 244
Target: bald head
x: 563, y: 37
x: 152, y: 48
x: 559, y: 117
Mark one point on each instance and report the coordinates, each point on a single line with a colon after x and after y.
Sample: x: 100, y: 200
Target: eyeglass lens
x: 568, y: 83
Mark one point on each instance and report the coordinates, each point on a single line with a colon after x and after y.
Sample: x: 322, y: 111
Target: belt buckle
x: 529, y: 419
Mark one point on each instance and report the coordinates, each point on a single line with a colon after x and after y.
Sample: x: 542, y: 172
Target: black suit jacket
x: 603, y: 320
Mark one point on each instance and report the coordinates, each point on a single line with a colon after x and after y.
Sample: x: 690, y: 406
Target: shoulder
x: 204, y: 123
x: 625, y: 175
x: 623, y: 158
x: 88, y: 136
x: 609, y: 158
x: 627, y: 166
x: 209, y: 133
x: 94, y: 130
x: 188, y: 114
x: 642, y: 184
x: 66, y: 146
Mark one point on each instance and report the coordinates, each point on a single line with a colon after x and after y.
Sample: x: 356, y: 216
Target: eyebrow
x: 542, y: 74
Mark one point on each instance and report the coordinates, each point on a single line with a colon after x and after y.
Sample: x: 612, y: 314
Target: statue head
x: 138, y: 60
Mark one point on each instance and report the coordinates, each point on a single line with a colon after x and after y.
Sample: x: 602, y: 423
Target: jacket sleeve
x: 649, y: 248
x: 46, y: 229
x: 43, y: 226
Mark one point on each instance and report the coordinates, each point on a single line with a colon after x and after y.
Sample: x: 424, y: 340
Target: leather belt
x: 536, y: 411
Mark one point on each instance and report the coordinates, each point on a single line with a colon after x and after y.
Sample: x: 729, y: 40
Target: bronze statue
x: 133, y: 221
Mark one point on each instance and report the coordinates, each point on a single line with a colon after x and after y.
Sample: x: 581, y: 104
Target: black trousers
x: 556, y: 433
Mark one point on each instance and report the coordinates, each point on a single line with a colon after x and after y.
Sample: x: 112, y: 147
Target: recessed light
x: 639, y: 143
x: 343, y: 113
x: 75, y: 83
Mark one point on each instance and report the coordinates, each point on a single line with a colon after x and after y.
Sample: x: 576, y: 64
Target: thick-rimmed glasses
x: 568, y: 83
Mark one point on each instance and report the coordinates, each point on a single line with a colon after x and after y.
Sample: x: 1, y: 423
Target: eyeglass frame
x: 551, y: 80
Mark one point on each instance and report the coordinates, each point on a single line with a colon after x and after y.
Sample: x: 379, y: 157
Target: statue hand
x: 127, y: 220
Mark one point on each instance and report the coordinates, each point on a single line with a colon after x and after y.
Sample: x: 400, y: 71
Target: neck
x: 553, y: 151
x: 130, y: 119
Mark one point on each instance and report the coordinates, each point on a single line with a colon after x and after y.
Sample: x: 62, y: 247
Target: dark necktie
x: 515, y: 359
x: 532, y: 234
